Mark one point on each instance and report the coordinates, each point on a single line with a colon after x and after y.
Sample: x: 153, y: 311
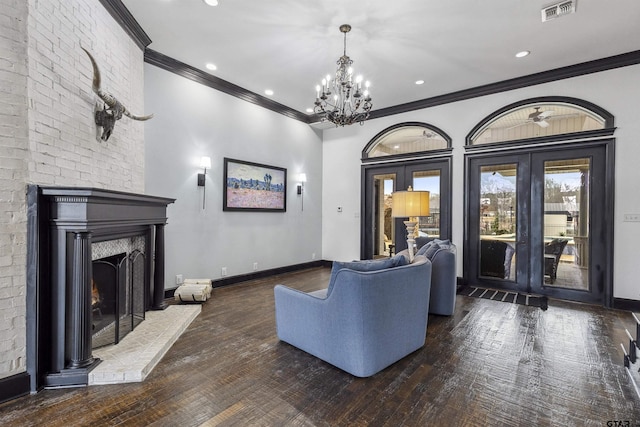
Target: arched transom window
x: 406, y: 138
x: 542, y: 117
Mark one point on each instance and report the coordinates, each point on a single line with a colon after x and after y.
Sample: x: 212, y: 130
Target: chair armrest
x: 443, y: 283
x: 299, y: 315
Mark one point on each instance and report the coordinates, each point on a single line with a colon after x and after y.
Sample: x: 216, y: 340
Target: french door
x: 540, y: 222
x: 382, y: 234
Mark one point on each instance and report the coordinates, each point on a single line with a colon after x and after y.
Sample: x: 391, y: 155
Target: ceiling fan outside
x: 538, y: 117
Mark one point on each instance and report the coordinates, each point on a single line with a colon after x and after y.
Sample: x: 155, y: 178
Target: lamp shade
x: 410, y: 203
x: 205, y: 162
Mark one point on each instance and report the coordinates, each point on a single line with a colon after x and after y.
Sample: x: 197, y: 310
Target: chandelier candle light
x: 342, y: 100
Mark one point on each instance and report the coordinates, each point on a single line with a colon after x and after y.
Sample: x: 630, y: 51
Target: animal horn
x: 109, y: 99
x: 134, y: 117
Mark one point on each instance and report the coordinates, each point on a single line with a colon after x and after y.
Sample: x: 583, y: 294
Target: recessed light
x: 396, y: 147
x: 211, y: 2
x: 268, y: 92
x: 309, y: 110
x: 522, y: 54
x: 211, y: 66
x: 419, y: 82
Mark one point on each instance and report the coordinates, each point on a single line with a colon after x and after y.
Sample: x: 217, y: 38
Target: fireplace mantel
x: 63, y: 222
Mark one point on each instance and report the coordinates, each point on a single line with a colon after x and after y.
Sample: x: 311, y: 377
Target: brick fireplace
x: 71, y: 233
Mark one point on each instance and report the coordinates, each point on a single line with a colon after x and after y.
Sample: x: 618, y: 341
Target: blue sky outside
x: 424, y: 183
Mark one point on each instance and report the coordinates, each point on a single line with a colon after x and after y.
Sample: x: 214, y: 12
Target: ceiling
x: 289, y: 45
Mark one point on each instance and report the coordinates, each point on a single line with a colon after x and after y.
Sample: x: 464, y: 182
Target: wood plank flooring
x: 490, y: 364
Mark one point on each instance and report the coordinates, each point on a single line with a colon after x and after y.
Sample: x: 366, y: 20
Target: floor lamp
x: 410, y: 204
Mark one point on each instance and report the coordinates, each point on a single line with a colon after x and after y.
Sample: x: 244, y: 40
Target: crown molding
x: 188, y: 72
x: 122, y: 16
x: 598, y: 65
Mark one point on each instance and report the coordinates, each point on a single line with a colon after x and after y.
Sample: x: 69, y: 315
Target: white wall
x: 617, y: 91
x: 192, y: 120
x: 47, y: 133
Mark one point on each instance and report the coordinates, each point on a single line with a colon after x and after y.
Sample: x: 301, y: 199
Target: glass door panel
x: 497, y: 225
x: 566, y: 219
x: 429, y: 226
x: 383, y: 224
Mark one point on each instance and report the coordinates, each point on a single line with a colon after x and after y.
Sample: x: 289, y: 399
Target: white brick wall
x: 13, y: 161
x: 47, y: 133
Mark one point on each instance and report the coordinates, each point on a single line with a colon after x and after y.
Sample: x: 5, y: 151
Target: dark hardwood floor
x: 490, y: 364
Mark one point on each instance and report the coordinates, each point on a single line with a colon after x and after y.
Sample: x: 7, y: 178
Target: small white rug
x: 133, y: 358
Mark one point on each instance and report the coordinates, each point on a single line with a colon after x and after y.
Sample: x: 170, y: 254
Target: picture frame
x: 253, y: 187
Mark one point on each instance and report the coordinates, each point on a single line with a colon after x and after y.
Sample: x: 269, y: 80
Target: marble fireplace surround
x: 63, y: 222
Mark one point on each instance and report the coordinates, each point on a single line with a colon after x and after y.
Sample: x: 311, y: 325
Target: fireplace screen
x: 117, y: 291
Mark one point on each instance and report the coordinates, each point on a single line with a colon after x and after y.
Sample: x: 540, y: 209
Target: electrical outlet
x: 255, y: 266
x: 179, y: 279
x: 223, y: 272
x: 631, y: 218
x: 313, y: 256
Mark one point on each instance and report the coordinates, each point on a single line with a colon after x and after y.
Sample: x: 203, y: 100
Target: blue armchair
x: 364, y: 321
x: 442, y: 254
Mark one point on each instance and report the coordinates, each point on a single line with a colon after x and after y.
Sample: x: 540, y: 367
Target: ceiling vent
x: 559, y: 9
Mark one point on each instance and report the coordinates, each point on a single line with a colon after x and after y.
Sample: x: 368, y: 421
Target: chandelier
x: 342, y: 100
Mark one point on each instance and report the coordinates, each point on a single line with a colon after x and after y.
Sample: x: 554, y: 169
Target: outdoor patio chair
x: 552, y: 252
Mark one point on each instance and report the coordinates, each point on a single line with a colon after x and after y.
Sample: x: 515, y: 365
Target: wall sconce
x: 205, y: 163
x: 302, y: 178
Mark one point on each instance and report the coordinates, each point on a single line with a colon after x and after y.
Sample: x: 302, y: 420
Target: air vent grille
x: 557, y: 10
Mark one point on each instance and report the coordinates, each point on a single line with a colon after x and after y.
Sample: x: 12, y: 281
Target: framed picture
x: 253, y: 187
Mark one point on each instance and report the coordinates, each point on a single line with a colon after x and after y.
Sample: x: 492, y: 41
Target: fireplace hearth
x: 95, y: 265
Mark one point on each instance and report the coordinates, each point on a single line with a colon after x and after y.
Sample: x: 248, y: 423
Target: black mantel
x: 63, y: 222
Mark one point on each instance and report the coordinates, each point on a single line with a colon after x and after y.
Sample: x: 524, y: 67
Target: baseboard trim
x: 14, y: 386
x: 626, y: 304
x: 231, y: 280
x: 265, y: 273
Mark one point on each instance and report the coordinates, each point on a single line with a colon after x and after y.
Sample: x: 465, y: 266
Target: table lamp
x: 410, y: 204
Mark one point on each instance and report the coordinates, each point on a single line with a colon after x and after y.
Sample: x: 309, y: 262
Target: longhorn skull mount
x: 112, y: 110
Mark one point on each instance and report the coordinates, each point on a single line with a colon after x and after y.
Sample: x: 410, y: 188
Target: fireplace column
x: 158, y: 272
x: 80, y: 303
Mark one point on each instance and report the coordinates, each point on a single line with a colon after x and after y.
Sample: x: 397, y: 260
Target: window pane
x: 537, y: 120
x: 407, y: 139
x: 566, y: 231
x: 384, y: 230
x: 429, y: 226
x: 498, y: 221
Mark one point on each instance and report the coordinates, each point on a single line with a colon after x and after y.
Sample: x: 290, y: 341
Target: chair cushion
x: 366, y: 265
x: 423, y: 249
x: 431, y: 251
x: 405, y: 254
